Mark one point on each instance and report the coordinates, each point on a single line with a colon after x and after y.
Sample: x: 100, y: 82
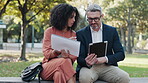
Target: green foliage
x: 3, y: 5
x: 14, y: 29
x: 30, y: 12
x: 37, y: 13
x: 128, y: 14
x: 138, y: 14
x: 38, y: 34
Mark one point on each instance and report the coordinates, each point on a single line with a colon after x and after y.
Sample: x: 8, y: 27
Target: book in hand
x: 100, y: 48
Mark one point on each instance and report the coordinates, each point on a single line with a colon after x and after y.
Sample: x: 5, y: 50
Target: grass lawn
x: 136, y: 64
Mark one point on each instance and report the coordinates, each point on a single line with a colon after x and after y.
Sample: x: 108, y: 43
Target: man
x: 90, y: 68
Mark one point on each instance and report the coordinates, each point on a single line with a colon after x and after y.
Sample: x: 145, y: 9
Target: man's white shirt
x: 97, y: 36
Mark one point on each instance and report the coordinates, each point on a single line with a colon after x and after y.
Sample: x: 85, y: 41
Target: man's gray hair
x: 94, y: 7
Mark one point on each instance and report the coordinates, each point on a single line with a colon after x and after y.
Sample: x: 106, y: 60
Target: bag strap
x: 39, y: 76
x: 39, y: 79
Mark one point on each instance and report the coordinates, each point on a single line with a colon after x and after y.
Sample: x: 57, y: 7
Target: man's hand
x: 91, y: 59
x: 101, y: 60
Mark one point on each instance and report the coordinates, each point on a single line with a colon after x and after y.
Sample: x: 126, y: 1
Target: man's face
x: 94, y: 19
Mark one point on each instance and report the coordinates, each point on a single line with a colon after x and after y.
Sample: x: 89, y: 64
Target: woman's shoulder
x: 50, y: 29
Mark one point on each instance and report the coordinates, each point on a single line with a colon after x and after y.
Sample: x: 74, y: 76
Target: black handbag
x: 30, y: 72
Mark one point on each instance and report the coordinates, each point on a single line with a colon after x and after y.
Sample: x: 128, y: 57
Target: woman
x: 63, y: 19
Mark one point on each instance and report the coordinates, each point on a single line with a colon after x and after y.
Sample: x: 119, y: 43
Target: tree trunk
x: 19, y: 37
x: 129, y: 47
x: 133, y: 35
x: 23, y: 42
x: 123, y: 37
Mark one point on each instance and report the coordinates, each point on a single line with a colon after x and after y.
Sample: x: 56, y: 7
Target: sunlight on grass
x: 35, y: 57
x: 13, y: 69
x: 135, y: 71
x: 136, y: 65
x: 135, y: 60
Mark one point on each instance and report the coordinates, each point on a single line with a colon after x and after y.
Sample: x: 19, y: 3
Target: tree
x: 27, y: 11
x: 3, y: 6
x: 25, y: 7
x: 129, y: 12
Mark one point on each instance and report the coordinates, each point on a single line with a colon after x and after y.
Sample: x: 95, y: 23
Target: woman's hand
x: 65, y: 54
x: 73, y: 38
x: 56, y: 52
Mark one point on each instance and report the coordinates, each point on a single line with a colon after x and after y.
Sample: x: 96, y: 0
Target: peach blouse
x: 47, y: 50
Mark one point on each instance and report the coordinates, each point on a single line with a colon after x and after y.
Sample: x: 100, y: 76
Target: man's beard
x: 94, y: 27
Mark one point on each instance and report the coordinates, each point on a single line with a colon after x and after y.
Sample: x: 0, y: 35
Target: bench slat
x: 19, y: 80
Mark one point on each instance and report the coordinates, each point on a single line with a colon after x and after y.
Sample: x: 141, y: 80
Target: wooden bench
x: 18, y: 80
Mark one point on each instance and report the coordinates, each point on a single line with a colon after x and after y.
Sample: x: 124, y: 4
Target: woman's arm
x: 47, y: 50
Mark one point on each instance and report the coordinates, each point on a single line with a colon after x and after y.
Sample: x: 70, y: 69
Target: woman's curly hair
x: 60, y: 14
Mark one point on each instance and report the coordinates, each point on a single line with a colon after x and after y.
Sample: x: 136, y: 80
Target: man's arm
x: 117, y: 49
x: 82, y: 53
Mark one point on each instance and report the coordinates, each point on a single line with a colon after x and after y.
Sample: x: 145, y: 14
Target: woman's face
x: 71, y: 19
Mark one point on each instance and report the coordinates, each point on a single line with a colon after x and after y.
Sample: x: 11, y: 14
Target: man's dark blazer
x: 115, y: 50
